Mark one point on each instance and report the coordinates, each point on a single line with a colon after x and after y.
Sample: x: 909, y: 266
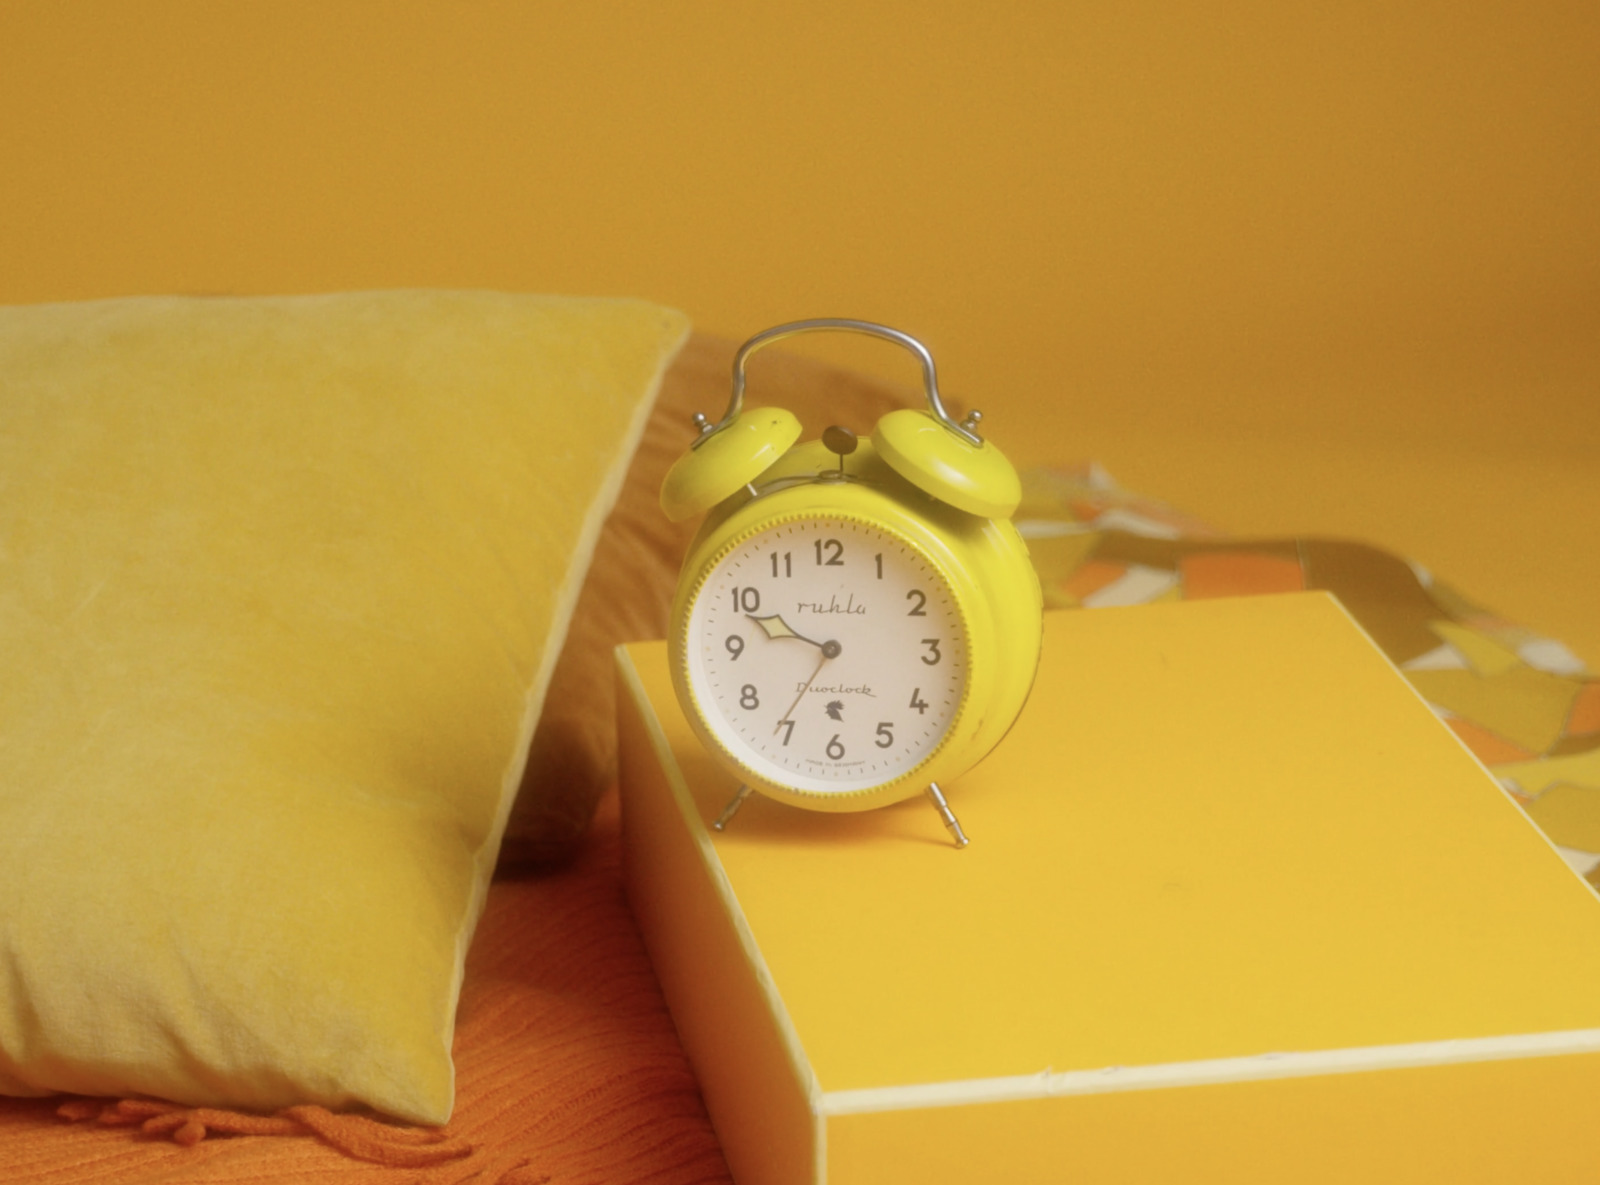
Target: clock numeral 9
x: 835, y: 749
x: 747, y: 696
x: 933, y: 656
x: 746, y: 600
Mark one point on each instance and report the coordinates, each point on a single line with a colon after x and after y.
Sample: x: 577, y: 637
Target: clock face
x: 826, y: 654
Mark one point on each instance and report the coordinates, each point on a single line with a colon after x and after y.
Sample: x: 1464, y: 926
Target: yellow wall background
x: 1330, y: 269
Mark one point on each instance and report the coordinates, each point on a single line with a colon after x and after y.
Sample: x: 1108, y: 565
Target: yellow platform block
x: 1237, y: 908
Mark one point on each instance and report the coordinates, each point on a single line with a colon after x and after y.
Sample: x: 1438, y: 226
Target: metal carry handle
x: 930, y: 379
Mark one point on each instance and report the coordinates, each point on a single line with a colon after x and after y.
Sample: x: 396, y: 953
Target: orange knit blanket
x: 568, y: 1071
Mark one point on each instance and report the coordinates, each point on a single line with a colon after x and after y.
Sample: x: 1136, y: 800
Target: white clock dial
x: 826, y: 654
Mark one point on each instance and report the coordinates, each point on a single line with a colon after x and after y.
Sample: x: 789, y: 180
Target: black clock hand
x: 776, y: 627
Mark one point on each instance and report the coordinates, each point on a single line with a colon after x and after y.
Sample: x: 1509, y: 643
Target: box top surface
x: 1220, y: 830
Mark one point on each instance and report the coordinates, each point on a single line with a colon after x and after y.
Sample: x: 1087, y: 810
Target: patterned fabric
x: 1521, y: 702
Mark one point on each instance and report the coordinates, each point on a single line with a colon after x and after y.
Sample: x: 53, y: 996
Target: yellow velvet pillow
x: 282, y: 583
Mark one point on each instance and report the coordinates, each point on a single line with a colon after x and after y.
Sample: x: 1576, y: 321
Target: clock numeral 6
x: 933, y: 656
x: 835, y: 749
x: 886, y: 733
x: 748, y: 697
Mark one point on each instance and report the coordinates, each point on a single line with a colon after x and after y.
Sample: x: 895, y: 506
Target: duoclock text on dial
x: 857, y: 621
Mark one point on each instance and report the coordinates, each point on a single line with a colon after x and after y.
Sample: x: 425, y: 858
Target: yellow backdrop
x: 1332, y: 271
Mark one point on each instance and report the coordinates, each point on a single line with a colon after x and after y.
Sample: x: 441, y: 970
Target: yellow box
x: 1236, y: 908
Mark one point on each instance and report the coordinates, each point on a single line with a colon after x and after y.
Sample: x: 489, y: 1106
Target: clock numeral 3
x: 933, y: 656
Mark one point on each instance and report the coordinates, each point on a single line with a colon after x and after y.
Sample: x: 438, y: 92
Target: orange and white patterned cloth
x: 1521, y: 702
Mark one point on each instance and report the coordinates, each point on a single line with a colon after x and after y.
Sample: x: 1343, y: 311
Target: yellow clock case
x: 984, y: 560
x: 924, y: 477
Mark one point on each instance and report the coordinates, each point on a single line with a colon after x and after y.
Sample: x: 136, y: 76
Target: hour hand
x: 776, y: 627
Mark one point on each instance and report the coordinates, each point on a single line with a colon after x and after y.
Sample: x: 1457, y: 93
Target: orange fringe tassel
x: 354, y: 1135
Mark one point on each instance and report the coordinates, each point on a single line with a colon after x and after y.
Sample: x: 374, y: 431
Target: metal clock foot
x: 951, y: 823
x: 731, y: 809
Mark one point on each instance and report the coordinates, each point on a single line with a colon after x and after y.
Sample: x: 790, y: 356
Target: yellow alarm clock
x: 857, y: 621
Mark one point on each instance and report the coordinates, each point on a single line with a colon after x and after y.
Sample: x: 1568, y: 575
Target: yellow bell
x: 723, y: 461
x: 976, y: 478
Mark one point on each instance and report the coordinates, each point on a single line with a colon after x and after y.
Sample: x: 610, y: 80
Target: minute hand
x: 805, y: 687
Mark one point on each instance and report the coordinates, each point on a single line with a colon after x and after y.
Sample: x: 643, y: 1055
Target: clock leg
x: 731, y: 809
x: 951, y: 823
